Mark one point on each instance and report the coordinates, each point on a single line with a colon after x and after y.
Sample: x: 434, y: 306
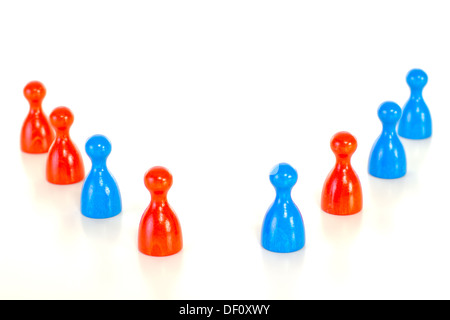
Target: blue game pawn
x: 388, y: 159
x: 416, y: 119
x: 283, y: 229
x: 100, y: 197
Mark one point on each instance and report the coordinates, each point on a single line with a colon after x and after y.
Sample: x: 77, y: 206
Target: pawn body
x: 36, y: 135
x: 415, y: 122
x: 283, y: 229
x: 100, y: 196
x: 342, y: 192
x: 64, y: 162
x: 387, y: 158
x: 159, y: 229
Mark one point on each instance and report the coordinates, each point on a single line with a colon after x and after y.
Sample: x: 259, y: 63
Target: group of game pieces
x: 159, y: 229
x: 283, y: 230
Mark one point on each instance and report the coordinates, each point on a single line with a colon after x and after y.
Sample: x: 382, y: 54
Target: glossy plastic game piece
x: 342, y: 192
x: 283, y: 229
x: 415, y: 122
x: 159, y: 230
x: 64, y: 162
x: 100, y: 196
x: 387, y: 158
x: 37, y: 135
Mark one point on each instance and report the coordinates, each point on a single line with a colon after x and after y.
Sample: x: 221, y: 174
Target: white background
x: 219, y: 92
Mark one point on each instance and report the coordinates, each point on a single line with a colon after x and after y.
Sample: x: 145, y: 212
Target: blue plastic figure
x: 100, y: 197
x: 283, y: 229
x: 387, y: 158
x: 416, y: 119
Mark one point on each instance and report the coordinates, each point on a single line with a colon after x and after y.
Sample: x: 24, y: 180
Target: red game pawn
x: 64, y: 162
x: 342, y: 193
x: 37, y: 135
x: 159, y: 229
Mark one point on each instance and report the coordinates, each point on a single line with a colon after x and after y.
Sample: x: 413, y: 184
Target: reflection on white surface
x: 417, y: 152
x: 161, y: 274
x: 282, y: 272
x: 102, y: 229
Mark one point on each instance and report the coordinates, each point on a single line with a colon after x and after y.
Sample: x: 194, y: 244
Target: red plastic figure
x: 37, y: 135
x: 342, y: 193
x: 64, y: 163
x: 159, y: 229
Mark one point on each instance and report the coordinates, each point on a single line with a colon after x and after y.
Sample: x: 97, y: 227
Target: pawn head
x: 34, y: 91
x: 283, y: 176
x: 389, y: 112
x: 98, y: 147
x: 343, y: 144
x: 61, y: 118
x: 416, y: 79
x: 158, y: 180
